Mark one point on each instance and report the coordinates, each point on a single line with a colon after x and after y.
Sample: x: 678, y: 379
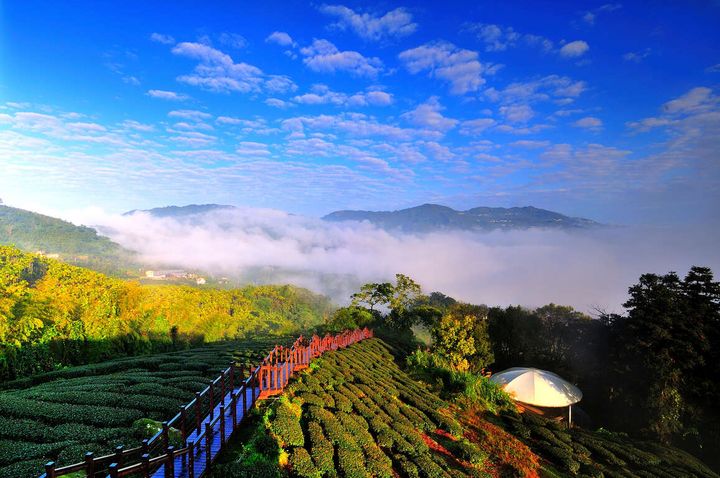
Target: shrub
x: 302, y: 464
x: 352, y: 463
x: 428, y: 467
x: 378, y: 463
x: 408, y: 468
x: 285, y: 424
x: 148, y: 428
x: 469, y: 452
x: 321, y: 449
x: 342, y: 403
x: 23, y: 469
x: 14, y: 451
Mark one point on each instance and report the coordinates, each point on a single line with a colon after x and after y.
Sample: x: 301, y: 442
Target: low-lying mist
x: 587, y: 269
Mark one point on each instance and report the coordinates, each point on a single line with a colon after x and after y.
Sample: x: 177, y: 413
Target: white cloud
x: 589, y: 17
x: 137, y: 126
x: 278, y: 103
x: 131, y: 80
x: 476, y: 126
x: 461, y: 68
x: 218, y: 72
x: 517, y: 113
x: 636, y: 56
x: 233, y: 40
x: 395, y: 23
x: 252, y: 148
x: 427, y: 115
x: 280, y: 38
x: 552, y: 87
x: 589, y: 122
x: 500, y: 38
x: 497, y: 38
x: 498, y: 268
x: 167, y: 95
x: 324, y: 57
x: 164, y: 39
x: 692, y: 101
x: 321, y: 95
x: 530, y: 144
x: 574, y: 49
x: 713, y: 69
x: 193, y: 115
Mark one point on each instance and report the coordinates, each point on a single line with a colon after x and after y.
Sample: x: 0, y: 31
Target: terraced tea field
x: 61, y: 415
x: 356, y: 414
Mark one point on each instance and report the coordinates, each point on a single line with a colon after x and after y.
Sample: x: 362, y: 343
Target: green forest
x: 54, y: 315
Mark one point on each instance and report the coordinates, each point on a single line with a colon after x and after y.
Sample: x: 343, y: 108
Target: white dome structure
x: 537, y: 387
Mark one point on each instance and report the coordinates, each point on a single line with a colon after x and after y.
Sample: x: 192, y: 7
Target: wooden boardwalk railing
x: 207, y: 422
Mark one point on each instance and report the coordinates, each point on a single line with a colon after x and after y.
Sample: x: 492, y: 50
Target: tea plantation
x: 356, y: 414
x: 62, y: 414
x: 600, y: 453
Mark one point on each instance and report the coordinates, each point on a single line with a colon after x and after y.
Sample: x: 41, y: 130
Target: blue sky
x: 604, y: 110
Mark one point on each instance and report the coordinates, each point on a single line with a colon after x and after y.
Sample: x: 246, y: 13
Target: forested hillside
x: 78, y: 245
x: 53, y: 314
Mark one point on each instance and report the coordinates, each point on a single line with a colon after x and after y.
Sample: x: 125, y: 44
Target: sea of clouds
x: 588, y: 269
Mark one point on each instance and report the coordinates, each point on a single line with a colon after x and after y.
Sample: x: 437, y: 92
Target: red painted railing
x: 208, y: 421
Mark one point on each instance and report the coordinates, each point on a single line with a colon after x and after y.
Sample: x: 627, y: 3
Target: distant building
x: 200, y: 281
x: 166, y: 274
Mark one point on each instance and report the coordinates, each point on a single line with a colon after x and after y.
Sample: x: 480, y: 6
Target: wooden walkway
x: 197, y: 457
x: 208, y: 421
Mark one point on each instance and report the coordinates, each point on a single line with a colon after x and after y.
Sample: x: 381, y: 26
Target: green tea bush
x: 14, y: 451
x: 25, y: 468
x: 302, y: 464
x: 321, y: 449
x: 285, y: 424
x: 351, y: 463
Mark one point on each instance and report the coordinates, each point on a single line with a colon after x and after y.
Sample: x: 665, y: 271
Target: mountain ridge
x: 431, y: 217
x: 79, y: 245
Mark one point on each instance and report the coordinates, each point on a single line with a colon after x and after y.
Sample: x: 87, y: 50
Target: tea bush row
x: 361, y: 416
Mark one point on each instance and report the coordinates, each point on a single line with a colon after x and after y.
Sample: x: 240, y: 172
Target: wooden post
x: 90, y: 464
x: 211, y: 392
x: 198, y: 412
x: 251, y: 383
x: 233, y: 404
x: 222, y: 387
x: 170, y: 462
x: 113, y: 469
x: 191, y: 459
x: 222, y: 423
x: 208, y: 441
x: 50, y: 469
x: 119, y: 454
x: 232, y: 375
x: 243, y: 390
x: 146, y: 465
x: 145, y: 446
x: 165, y: 435
x: 183, y: 431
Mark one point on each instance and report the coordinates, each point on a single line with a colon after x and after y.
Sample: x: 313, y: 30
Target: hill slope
x: 79, y: 245
x: 355, y: 413
x: 53, y: 314
x: 433, y: 217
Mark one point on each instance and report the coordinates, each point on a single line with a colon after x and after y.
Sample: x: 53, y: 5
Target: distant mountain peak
x: 181, y: 211
x: 435, y: 217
